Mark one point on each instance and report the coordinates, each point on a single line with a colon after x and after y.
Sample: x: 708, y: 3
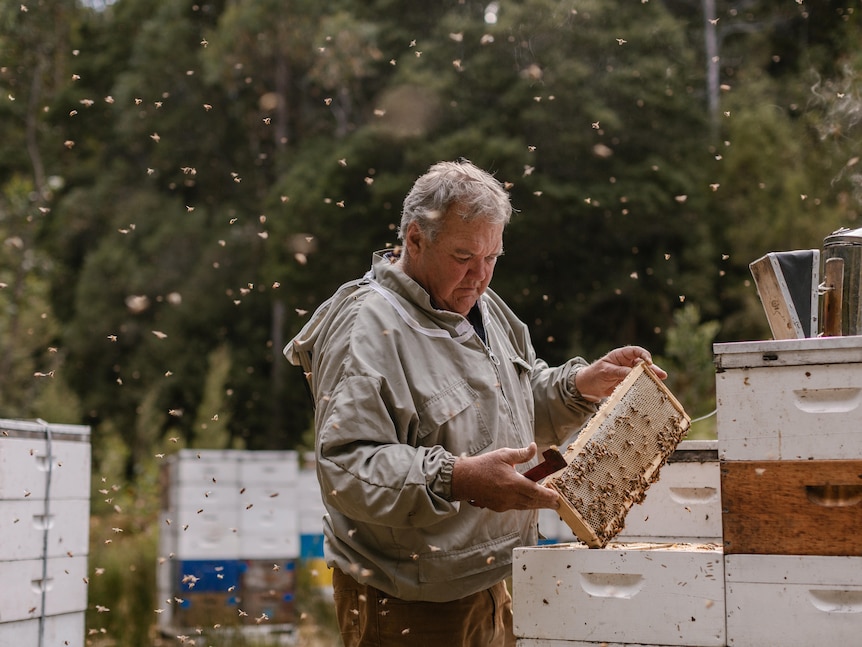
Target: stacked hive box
x: 44, y: 533
x: 229, y: 540
x: 659, y: 583
x: 790, y: 447
x: 684, y: 505
x: 623, y: 594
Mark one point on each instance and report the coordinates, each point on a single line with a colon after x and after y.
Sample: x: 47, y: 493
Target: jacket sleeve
x: 368, y: 469
x: 560, y: 412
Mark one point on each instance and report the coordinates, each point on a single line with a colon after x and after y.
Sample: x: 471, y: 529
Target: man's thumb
x: 525, y: 454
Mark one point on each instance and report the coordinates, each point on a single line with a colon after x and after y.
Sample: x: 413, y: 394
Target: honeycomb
x: 618, y: 455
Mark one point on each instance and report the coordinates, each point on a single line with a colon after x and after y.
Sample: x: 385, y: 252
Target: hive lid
x: 787, y: 352
x: 844, y: 236
x: 40, y: 429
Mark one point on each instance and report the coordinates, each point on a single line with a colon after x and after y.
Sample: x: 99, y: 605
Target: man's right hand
x: 491, y: 481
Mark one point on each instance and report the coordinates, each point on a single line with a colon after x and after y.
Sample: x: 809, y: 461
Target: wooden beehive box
x: 792, y: 507
x: 618, y: 455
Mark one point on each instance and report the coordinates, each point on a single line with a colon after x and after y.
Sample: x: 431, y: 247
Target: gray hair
x: 476, y: 193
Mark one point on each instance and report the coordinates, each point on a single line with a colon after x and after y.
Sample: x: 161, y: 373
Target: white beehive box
x: 793, y: 600
x: 65, y: 630
x: 23, y: 581
x: 208, y: 533
x: 309, y: 500
x: 269, y: 468
x: 541, y: 642
x: 684, y: 505
x: 657, y: 594
x: 795, y: 399
x: 24, y: 524
x: 230, y: 504
x: 24, y: 467
x: 186, y: 496
x: 202, y: 469
x: 269, y: 522
x: 225, y: 506
x: 44, y: 532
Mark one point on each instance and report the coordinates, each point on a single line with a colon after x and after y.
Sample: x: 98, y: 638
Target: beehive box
x: 30, y: 531
x: 64, y: 584
x: 203, y: 469
x: 44, y: 532
x: 270, y: 607
x: 25, y: 464
x: 234, y: 593
x: 311, y: 512
x: 269, y: 521
x: 206, y: 575
x: 230, y: 505
x: 221, y: 511
x: 66, y: 630
x: 793, y: 600
x: 268, y: 575
x: 539, y: 642
x: 202, y: 533
x: 684, y: 505
x: 268, y: 468
x: 618, y: 455
x: 789, y: 400
x: 657, y: 594
x: 205, y: 610
x: 792, y: 507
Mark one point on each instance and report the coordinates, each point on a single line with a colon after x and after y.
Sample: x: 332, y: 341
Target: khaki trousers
x: 369, y: 617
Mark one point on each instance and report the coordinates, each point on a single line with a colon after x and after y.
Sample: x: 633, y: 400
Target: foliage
x: 688, y: 360
x: 221, y: 168
x: 123, y: 556
x: 121, y: 589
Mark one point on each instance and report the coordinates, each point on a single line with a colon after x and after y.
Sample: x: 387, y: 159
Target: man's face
x: 457, y: 266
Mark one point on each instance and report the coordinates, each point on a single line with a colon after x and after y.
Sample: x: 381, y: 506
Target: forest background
x: 181, y: 183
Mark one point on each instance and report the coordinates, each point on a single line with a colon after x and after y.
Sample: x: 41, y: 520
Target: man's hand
x: 491, y: 481
x: 599, y: 379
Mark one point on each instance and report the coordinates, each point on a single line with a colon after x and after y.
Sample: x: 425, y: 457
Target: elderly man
x: 429, y: 405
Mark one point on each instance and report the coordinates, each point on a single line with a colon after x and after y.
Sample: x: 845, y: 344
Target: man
x: 429, y: 404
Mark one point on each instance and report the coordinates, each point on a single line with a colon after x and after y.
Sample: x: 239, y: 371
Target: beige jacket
x: 400, y: 390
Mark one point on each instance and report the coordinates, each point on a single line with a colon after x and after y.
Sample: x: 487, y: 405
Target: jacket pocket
x: 453, y: 418
x: 438, y: 567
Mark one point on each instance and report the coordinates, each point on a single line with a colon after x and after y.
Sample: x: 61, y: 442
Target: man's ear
x: 415, y: 239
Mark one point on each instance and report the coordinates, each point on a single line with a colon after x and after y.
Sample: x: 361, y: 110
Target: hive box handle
x: 834, y: 496
x: 612, y: 585
x: 836, y: 601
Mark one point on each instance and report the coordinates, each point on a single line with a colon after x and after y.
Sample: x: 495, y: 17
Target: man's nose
x: 480, y: 269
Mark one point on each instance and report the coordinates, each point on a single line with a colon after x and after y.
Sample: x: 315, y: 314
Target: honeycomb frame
x: 616, y: 457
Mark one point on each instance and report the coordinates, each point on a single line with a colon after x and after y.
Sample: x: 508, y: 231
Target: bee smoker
x: 842, y: 286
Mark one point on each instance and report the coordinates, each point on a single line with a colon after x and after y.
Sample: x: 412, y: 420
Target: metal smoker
x: 842, y: 296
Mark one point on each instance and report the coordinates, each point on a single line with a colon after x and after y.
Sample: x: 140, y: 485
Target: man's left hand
x: 599, y: 379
